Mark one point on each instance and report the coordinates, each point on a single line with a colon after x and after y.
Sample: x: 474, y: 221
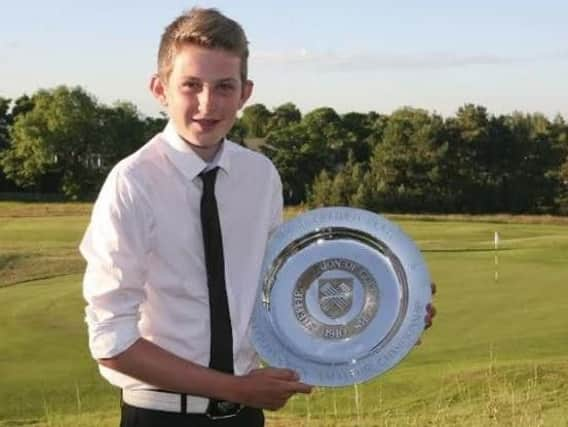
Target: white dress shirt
x: 145, y: 273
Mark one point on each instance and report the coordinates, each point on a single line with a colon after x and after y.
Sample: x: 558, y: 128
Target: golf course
x: 497, y: 354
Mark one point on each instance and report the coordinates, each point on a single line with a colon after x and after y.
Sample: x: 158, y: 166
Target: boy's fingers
x: 303, y: 388
x: 431, y: 311
x: 285, y: 374
x: 430, y: 314
x: 280, y: 373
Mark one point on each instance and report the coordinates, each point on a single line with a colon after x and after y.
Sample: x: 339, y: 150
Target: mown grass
x: 36, y: 247
x: 496, y: 355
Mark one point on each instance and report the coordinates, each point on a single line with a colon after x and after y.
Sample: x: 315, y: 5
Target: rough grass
x: 37, y: 247
x: 36, y: 209
x: 496, y: 355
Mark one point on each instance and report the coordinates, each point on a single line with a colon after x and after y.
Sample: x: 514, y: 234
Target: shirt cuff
x: 110, y: 338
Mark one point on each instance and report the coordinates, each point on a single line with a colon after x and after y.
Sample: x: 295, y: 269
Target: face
x: 203, y: 94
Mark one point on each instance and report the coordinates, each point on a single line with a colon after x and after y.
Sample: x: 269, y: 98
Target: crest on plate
x: 335, y: 296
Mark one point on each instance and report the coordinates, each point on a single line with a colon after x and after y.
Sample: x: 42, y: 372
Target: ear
x: 158, y: 89
x: 246, y: 92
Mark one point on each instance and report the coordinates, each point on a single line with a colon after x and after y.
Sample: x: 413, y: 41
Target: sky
x: 354, y: 55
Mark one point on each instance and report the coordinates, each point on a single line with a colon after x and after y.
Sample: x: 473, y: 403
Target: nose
x: 206, y: 100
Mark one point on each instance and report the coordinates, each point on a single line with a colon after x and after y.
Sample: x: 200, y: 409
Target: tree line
x: 64, y: 141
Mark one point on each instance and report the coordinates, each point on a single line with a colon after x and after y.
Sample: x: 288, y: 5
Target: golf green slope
x: 495, y: 356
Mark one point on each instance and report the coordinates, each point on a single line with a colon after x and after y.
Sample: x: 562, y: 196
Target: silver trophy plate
x: 342, y: 296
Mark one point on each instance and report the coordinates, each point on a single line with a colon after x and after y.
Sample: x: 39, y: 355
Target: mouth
x: 206, y: 124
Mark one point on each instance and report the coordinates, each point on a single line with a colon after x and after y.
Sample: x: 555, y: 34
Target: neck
x: 206, y: 153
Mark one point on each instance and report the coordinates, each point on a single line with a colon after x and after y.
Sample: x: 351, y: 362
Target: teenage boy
x: 175, y: 245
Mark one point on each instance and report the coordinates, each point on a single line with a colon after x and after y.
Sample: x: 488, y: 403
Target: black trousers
x: 139, y: 417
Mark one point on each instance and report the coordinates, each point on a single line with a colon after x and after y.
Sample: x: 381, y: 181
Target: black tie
x: 221, y: 331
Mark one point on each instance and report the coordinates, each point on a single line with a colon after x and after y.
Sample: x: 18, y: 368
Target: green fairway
x: 495, y: 356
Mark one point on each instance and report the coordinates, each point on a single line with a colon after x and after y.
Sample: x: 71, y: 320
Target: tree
x: 377, y: 124
x: 327, y: 135
x: 532, y: 163
x: 346, y: 188
x: 466, y: 158
x: 284, y: 115
x: 359, y: 127
x: 154, y: 125
x: 404, y: 169
x: 322, y: 192
x: 4, y: 122
x: 4, y: 137
x: 58, y: 136
x: 238, y: 132
x: 296, y: 158
x: 8, y: 115
x: 255, y: 119
x: 562, y: 194
x: 321, y: 141
x: 300, y: 151
x: 22, y: 105
x: 123, y: 131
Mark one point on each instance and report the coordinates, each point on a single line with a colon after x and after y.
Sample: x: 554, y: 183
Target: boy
x: 175, y: 245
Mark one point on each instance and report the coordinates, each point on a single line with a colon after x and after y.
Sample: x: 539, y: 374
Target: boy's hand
x: 430, y: 309
x: 270, y: 388
x: 430, y: 313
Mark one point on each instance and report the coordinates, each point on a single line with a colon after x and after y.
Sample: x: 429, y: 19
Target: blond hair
x: 207, y: 28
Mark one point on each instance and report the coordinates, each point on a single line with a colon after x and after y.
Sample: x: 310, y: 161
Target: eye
x: 226, y: 87
x: 192, y: 85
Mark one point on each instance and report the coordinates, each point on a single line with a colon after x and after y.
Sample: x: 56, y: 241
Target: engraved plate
x: 342, y: 296
x: 335, y: 296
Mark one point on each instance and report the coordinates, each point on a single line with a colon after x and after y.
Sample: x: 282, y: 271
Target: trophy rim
x: 373, y: 231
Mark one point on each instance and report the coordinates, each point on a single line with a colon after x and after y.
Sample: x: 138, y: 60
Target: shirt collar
x: 187, y: 161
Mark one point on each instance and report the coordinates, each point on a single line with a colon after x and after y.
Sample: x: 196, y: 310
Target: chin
x: 200, y: 139
x: 207, y: 142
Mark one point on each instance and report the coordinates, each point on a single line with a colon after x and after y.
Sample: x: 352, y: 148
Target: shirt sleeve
x: 116, y: 246
x: 277, y: 203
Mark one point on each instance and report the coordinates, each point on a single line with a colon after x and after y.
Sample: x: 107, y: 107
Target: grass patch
x: 495, y: 356
x: 31, y: 209
x: 33, y: 248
